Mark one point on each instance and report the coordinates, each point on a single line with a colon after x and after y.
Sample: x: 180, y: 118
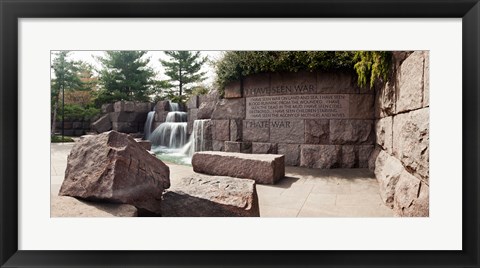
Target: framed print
x: 429, y: 217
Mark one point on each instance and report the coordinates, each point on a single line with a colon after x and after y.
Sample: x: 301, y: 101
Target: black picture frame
x: 11, y: 11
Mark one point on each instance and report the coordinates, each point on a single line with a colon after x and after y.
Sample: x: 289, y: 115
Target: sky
x: 89, y: 57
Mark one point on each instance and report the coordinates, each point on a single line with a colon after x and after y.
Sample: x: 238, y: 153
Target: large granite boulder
x: 211, y: 196
x: 103, y: 124
x: 347, y: 131
x: 262, y: 168
x: 229, y: 109
x: 66, y: 206
x: 410, y: 83
x: 411, y: 197
x: 113, y: 167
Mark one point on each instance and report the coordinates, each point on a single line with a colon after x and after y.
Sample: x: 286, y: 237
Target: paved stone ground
x: 302, y: 193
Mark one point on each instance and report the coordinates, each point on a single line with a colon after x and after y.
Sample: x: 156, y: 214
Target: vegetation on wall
x: 369, y: 65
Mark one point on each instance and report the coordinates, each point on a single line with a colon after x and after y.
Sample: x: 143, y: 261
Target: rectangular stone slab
x: 211, y: 196
x: 262, y: 168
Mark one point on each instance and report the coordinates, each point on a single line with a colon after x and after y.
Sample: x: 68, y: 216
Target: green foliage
x: 66, y: 74
x: 236, y: 64
x: 58, y: 138
x: 125, y: 76
x: 372, y: 65
x: 74, y: 112
x: 183, y: 68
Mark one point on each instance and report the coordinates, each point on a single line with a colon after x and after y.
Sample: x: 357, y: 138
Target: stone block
x: 128, y: 117
x: 65, y: 206
x: 287, y: 131
x: 236, y: 130
x: 218, y: 146
x: 142, y: 107
x: 78, y: 132
x: 320, y: 156
x: 348, y: 156
x: 409, y: 92
x: 264, y: 148
x: 384, y: 133
x: 411, y: 141
x: 256, y: 130
x: 364, y: 152
x: 361, y: 106
x: 373, y: 158
x: 262, y: 168
x: 317, y: 131
x: 77, y: 125
x: 211, y: 196
x: 161, y: 116
x: 129, y: 106
x: 107, y: 108
x: 113, y: 167
x: 338, y: 82
x: 68, y: 132
x: 233, y: 90
x: 385, y: 100
x: 162, y: 106
x: 103, y: 124
x: 221, y: 130
x: 426, y: 79
x: 207, y: 104
x: 119, y: 106
x: 238, y: 147
x: 229, y: 109
x: 301, y: 82
x: 191, y: 117
x: 125, y: 127
x: 256, y: 85
x: 67, y: 125
x: 348, y: 131
x: 388, y: 171
x: 291, y: 153
x: 411, y: 197
x: 192, y: 102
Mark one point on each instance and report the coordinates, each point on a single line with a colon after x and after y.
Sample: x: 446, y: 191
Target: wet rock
x: 262, y: 168
x: 65, y: 206
x: 211, y: 196
x: 107, y: 108
x: 113, y: 167
x: 192, y: 102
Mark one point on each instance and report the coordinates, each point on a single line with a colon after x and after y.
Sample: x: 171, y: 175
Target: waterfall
x: 196, y: 143
x: 148, y: 125
x: 173, y: 132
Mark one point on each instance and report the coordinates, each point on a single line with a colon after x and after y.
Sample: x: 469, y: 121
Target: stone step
x: 262, y: 168
x: 211, y: 196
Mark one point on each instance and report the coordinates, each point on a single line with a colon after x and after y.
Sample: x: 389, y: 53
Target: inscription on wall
x: 323, y: 106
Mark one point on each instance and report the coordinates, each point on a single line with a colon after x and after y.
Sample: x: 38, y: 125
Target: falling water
x: 148, y: 125
x: 196, y: 143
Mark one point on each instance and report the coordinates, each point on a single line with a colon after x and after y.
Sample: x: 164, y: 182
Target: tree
x: 183, y: 68
x: 125, y: 76
x: 66, y: 77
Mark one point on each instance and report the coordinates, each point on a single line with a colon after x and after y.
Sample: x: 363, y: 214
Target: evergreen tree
x: 125, y: 76
x: 183, y: 68
x: 66, y: 77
